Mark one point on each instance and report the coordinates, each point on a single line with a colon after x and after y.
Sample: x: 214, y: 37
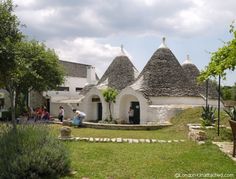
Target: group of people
x: 76, y: 120
x: 38, y: 113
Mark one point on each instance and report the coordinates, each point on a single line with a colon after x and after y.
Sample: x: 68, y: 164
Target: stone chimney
x: 91, y: 75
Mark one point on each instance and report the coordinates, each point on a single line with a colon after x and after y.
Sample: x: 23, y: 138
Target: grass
x: 158, y: 160
x: 99, y: 160
x: 179, y: 130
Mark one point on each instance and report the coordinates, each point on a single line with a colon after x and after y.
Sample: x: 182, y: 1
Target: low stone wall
x: 124, y: 126
x: 120, y: 140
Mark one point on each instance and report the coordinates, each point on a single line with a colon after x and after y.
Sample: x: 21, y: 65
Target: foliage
x: 32, y: 152
x: 229, y: 92
x: 109, y: 95
x: 208, y: 115
x: 224, y: 58
x: 226, y: 92
x: 232, y: 113
x: 24, y: 65
x: 9, y: 35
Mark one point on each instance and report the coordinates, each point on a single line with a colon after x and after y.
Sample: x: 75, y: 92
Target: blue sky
x: 91, y: 31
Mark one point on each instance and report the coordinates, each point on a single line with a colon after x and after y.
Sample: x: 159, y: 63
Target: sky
x: 92, y: 31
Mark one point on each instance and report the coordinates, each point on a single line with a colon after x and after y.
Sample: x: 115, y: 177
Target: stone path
x: 120, y: 140
x: 226, y: 147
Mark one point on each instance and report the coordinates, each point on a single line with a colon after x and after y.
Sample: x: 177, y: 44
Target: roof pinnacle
x: 122, y: 53
x: 188, y: 60
x: 163, y: 44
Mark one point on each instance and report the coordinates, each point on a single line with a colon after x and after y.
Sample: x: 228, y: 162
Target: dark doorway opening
x: 48, y: 105
x: 136, y: 107
x: 99, y: 114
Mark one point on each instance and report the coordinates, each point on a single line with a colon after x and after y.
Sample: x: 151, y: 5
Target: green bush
x: 208, y: 115
x: 32, y: 152
x: 231, y: 113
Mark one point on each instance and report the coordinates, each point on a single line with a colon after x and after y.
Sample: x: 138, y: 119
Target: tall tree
x: 9, y: 35
x: 24, y: 65
x: 109, y: 95
x: 221, y: 60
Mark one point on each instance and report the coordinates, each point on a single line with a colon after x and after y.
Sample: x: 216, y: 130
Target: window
x: 96, y: 99
x: 61, y: 88
x: 77, y: 89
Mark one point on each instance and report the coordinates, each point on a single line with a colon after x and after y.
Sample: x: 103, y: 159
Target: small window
x: 96, y: 100
x: 77, y: 89
x: 61, y: 88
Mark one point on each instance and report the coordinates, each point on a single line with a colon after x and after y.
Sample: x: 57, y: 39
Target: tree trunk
x: 109, y: 104
x: 13, y: 108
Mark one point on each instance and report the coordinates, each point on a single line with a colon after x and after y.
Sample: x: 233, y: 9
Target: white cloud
x: 92, y: 25
x: 86, y: 50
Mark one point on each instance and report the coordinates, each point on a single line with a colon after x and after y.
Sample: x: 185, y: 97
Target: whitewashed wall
x: 90, y: 108
x: 72, y: 83
x: 7, y: 102
x: 54, y: 109
x: 123, y: 102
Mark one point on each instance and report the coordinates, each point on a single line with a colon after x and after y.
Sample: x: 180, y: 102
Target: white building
x: 161, y: 90
x: 67, y: 95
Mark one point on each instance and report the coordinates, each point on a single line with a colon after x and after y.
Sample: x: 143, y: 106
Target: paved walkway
x: 226, y: 147
x: 120, y: 140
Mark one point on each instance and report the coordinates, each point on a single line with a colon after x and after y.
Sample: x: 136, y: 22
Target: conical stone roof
x: 192, y: 72
x: 164, y: 76
x: 120, y: 73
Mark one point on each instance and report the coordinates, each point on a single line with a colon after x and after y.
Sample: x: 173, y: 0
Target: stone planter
x: 233, y: 127
x: 65, y: 132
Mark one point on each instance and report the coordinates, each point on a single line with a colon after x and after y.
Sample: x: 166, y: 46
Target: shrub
x: 231, y: 113
x: 32, y: 152
x: 208, y: 115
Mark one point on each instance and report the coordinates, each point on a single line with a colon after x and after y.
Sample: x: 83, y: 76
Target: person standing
x: 131, y: 115
x: 61, y: 113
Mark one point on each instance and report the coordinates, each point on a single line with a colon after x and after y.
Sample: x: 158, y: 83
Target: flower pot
x: 233, y: 127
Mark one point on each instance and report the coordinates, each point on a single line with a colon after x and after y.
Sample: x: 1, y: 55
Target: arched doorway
x: 129, y: 101
x: 94, y: 108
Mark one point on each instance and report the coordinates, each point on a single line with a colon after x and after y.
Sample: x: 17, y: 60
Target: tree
x: 37, y: 69
x: 226, y: 92
x: 109, y: 95
x: 221, y: 60
x: 9, y: 35
x: 234, y: 92
x: 32, y: 65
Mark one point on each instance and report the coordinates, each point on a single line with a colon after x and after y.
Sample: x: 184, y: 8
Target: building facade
x: 160, y: 91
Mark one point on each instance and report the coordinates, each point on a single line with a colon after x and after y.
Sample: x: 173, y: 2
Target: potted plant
x: 208, y: 115
x: 232, y: 121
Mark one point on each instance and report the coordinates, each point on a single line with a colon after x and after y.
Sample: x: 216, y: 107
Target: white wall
x: 91, y: 75
x: 123, y: 101
x: 90, y: 108
x: 7, y: 102
x: 72, y: 83
x: 190, y: 101
x: 54, y: 109
x: 162, y: 113
x: 177, y: 100
x: 125, y: 105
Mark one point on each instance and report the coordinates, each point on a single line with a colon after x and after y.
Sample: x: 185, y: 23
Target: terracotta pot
x: 233, y: 127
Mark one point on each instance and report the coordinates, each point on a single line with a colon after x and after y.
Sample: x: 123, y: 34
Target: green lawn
x: 157, y: 160
x: 104, y: 160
